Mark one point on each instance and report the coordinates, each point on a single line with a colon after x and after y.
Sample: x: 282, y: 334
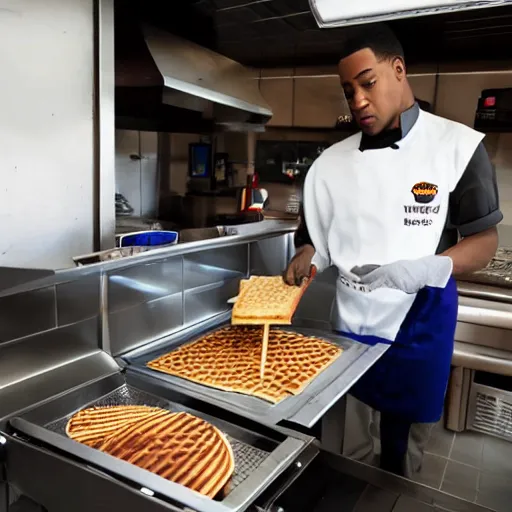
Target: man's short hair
x: 377, y: 37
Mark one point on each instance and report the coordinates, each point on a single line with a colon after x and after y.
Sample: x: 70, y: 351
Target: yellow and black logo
x: 424, y: 192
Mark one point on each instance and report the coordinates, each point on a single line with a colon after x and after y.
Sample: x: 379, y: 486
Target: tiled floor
x: 469, y: 465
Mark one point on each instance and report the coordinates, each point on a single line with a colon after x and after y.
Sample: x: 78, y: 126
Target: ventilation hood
x: 338, y: 13
x: 170, y: 84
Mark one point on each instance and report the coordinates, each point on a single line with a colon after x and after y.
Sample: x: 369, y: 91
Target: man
x: 399, y: 208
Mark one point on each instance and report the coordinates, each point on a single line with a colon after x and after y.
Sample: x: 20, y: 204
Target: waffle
x: 91, y: 426
x: 266, y: 299
x: 229, y: 359
x: 176, y: 446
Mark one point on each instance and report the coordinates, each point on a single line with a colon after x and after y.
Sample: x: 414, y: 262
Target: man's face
x: 373, y: 88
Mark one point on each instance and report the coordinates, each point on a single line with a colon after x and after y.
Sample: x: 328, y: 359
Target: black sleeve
x: 474, y: 204
x: 302, y: 234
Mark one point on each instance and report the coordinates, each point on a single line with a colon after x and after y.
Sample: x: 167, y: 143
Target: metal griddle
x: 304, y: 409
x: 259, y: 458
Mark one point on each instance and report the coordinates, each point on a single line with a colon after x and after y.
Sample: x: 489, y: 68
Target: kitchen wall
x: 47, y: 208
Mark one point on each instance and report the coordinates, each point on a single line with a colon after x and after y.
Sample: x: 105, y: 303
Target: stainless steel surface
x: 104, y: 323
x: 202, y: 303
x: 195, y: 76
x: 304, y: 409
x: 53, y: 379
x: 67, y: 495
x: 490, y: 411
x: 482, y: 358
x: 27, y: 313
x: 259, y: 458
x: 245, y: 234
x: 78, y: 300
x: 458, y: 398
x: 333, y: 427
x: 131, y: 328
x: 105, y: 185
x: 108, y: 255
x: 483, y: 312
x: 270, y: 256
x: 11, y: 277
x: 148, y: 302
x: 484, y: 291
x: 484, y: 336
x: 132, y: 286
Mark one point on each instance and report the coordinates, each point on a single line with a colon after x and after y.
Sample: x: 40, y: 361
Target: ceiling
x: 283, y: 33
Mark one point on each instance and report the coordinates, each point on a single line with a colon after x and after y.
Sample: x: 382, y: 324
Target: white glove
x: 409, y: 276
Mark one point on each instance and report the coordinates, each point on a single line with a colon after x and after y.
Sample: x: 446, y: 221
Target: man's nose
x: 359, y: 101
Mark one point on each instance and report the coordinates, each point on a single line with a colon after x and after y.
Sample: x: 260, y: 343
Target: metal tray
x: 304, y: 409
x: 259, y: 458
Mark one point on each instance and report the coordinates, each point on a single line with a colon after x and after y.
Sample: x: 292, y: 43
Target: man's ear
x: 399, y: 68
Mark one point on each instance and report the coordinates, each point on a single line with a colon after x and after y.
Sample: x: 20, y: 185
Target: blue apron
x: 410, y: 379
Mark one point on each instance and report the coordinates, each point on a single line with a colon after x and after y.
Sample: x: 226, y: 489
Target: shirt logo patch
x: 424, y: 192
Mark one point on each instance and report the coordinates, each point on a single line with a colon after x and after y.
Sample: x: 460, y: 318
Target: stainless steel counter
x: 235, y: 235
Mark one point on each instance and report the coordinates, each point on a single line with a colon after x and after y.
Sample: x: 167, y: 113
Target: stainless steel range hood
x: 176, y: 75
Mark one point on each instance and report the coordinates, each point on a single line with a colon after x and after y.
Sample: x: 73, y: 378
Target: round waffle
x: 91, y: 426
x: 176, y: 446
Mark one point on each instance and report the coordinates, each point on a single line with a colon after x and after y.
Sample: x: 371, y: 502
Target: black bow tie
x: 386, y: 139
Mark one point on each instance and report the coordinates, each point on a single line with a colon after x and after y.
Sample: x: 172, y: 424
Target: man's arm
x: 475, y: 212
x: 300, y: 265
x: 302, y: 237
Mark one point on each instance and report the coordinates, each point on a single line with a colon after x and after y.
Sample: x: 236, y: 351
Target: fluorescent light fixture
x: 340, y: 13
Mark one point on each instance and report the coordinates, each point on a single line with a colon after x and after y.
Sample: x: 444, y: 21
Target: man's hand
x: 300, y: 266
x: 409, y: 276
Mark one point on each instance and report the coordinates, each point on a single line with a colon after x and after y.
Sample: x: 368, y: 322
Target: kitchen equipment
x: 115, y: 316
x: 494, y: 111
x: 148, y: 239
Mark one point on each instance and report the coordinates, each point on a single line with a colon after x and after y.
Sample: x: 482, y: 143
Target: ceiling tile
x: 303, y: 22
x: 235, y: 16
x: 229, y: 4
x: 265, y: 32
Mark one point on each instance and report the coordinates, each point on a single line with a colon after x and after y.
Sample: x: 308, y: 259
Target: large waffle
x: 91, y: 426
x: 229, y: 359
x: 266, y: 299
x: 176, y: 446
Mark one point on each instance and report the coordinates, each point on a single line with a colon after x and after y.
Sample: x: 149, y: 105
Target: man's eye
x: 369, y: 85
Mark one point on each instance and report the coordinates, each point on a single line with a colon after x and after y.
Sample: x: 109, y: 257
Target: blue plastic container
x: 148, y: 239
